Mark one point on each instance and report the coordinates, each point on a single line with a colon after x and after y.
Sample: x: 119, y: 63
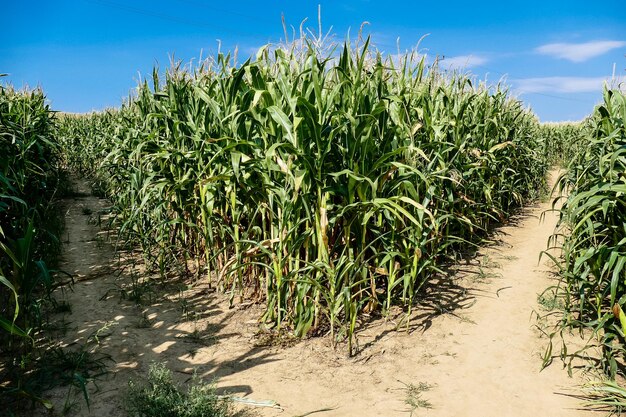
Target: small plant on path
x: 160, y: 396
x: 414, y: 397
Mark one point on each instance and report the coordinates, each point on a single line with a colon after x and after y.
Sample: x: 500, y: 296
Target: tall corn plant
x: 30, y: 222
x: 29, y: 179
x: 326, y: 185
x: 561, y: 142
x: 84, y: 140
x: 594, y: 252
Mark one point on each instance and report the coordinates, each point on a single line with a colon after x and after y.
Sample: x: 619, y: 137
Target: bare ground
x: 471, y: 349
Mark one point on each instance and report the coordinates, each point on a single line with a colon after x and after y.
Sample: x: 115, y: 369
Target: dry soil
x: 472, y: 347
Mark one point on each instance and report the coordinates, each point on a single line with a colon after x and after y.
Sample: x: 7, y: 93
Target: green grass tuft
x: 160, y: 396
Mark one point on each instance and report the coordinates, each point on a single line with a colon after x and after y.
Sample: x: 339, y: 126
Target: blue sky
x: 88, y: 54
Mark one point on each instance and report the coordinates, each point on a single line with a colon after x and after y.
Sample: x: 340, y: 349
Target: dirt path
x: 472, y: 349
x: 496, y: 371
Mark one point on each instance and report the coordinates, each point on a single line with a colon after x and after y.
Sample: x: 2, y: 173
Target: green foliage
x: 29, y: 179
x: 414, y: 398
x: 30, y: 221
x: 326, y: 187
x: 28, y: 376
x: 606, y: 396
x: 594, y: 221
x: 160, y: 396
x: 561, y: 142
x: 84, y: 143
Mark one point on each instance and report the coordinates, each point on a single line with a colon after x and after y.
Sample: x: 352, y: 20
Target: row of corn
x: 29, y: 180
x: 30, y: 224
x: 592, y: 232
x: 325, y: 186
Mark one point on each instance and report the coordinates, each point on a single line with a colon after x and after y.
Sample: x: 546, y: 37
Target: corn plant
x: 326, y: 183
x: 30, y: 178
x: 561, y: 142
x: 594, y: 231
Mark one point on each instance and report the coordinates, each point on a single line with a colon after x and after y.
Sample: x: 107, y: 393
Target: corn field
x: 29, y: 180
x: 30, y: 224
x: 326, y: 187
x: 593, y: 225
x: 561, y: 142
x: 326, y: 184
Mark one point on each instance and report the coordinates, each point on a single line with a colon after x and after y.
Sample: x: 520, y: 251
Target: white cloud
x: 462, y: 61
x: 579, y: 52
x: 560, y: 84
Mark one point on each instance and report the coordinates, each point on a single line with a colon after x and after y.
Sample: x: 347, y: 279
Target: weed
x: 204, y: 338
x: 413, y: 395
x: 483, y: 276
x: 29, y: 378
x: 488, y: 262
x: 550, y: 301
x: 185, y: 308
x: 160, y: 396
x: 101, y: 333
x: 138, y: 290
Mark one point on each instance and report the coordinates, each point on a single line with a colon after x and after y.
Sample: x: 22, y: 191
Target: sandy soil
x: 472, y: 348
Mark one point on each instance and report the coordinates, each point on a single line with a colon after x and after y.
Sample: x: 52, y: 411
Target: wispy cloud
x: 249, y: 50
x: 463, y: 61
x: 560, y: 84
x: 381, y: 40
x: 579, y: 52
